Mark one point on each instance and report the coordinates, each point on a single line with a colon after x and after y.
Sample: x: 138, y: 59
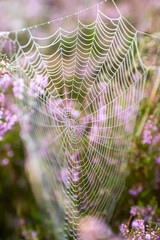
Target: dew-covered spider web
x: 81, y: 93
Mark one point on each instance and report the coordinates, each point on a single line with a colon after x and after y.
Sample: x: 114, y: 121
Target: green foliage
x: 20, y: 216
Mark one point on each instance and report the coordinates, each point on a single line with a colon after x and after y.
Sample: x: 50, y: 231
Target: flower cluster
x: 4, y: 66
x: 18, y: 88
x: 139, y: 231
x: 26, y: 234
x: 5, y: 81
x: 139, y: 227
x: 9, y: 154
x: 7, y: 117
x: 37, y: 85
x: 136, y: 191
x: 124, y: 230
x: 150, y: 133
x: 144, y: 212
x: 157, y: 159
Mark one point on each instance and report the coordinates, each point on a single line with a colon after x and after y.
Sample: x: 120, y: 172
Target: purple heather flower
x: 134, y: 210
x: 37, y: 86
x: 56, y: 108
x: 101, y: 116
x: 156, y: 139
x: 18, y: 88
x: 141, y: 225
x: 135, y: 223
x: 147, y: 137
x: 149, y: 129
x: 157, y: 160
x: 75, y: 155
x: 138, y: 229
x: 5, y: 81
x: 3, y: 63
x: 7, y: 123
x: 93, y: 228
x: 135, y: 192
x: 7, y: 118
x: 4, y: 67
x: 2, y: 102
x: 69, y: 107
x: 148, y: 236
x: 124, y: 230
x: 33, y: 234
x: 135, y: 77
x: 94, y: 133
x: 75, y: 176
x: 64, y: 176
x: 147, y: 213
x: 33, y: 9
x: 126, y: 115
x: 5, y: 162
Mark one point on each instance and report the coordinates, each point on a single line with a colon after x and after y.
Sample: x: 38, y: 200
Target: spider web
x: 78, y: 108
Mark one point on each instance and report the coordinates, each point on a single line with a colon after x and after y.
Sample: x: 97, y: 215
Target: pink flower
x: 101, y: 114
x: 37, y: 85
x: 156, y: 139
x: 4, y: 66
x: 134, y: 210
x: 18, y: 88
x: 64, y: 177
x: 139, y: 224
x: 136, y: 191
x: 75, y: 155
x: 5, y: 162
x: 157, y: 160
x: 2, y: 101
x: 148, y: 236
x: 124, y: 230
x: 94, y: 133
x: 93, y: 228
x: 135, y: 223
x: 149, y: 131
x: 7, y: 118
x: 34, y: 234
x: 75, y: 176
x: 5, y: 81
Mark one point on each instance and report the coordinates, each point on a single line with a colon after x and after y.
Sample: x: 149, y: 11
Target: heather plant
x: 16, y: 198
x: 140, y: 224
x: 143, y: 180
x: 139, y: 231
x: 7, y: 117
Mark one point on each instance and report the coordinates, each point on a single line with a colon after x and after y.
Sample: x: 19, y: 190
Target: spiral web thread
x: 81, y: 95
